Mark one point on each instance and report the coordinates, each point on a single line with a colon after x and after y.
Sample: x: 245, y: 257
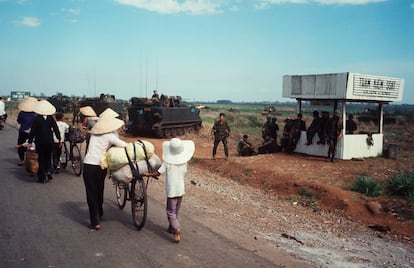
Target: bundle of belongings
x: 31, y: 163
x: 140, y: 154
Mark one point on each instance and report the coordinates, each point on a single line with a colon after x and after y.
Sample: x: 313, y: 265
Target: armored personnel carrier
x: 99, y: 104
x: 62, y: 103
x: 164, y: 118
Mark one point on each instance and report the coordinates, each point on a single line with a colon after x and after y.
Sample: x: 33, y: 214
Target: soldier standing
x: 220, y: 132
x: 334, y: 132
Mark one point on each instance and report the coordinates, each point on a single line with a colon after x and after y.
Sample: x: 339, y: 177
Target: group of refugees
x: 328, y: 129
x: 42, y: 128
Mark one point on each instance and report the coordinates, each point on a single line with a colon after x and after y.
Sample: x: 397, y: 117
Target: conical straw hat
x: 109, y: 113
x: 27, y: 104
x: 87, y: 111
x: 44, y: 107
x: 106, y: 125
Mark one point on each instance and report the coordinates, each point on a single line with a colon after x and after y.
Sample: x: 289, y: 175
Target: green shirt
x: 221, y: 130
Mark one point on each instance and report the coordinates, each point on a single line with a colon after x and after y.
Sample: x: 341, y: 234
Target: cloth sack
x: 124, y: 174
x: 115, y: 157
x: 31, y: 162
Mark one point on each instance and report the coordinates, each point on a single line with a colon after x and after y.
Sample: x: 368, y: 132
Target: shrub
x: 401, y: 184
x: 366, y: 186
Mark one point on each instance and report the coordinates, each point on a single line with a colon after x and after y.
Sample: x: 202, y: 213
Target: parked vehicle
x: 99, y: 104
x: 167, y: 117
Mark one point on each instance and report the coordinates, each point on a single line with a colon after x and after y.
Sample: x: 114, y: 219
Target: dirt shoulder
x: 255, y: 202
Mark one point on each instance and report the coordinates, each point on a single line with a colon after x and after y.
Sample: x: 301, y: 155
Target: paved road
x: 44, y: 225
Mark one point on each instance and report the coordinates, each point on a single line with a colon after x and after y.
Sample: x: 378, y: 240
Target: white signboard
x: 375, y: 87
x: 343, y: 86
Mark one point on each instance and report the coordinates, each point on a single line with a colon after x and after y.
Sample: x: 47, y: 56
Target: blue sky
x: 199, y: 49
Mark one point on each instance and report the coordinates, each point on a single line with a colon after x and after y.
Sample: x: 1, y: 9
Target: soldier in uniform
x: 284, y: 141
x: 297, y: 126
x: 268, y: 146
x: 220, y: 132
x: 323, y: 128
x: 313, y: 128
x: 350, y: 125
x: 244, y: 147
x: 334, y: 132
x: 267, y: 125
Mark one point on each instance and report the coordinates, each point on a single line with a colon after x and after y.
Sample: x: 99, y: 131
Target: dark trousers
x: 246, y: 151
x: 332, y: 147
x: 45, y: 159
x: 309, y: 135
x: 94, y: 179
x: 216, y: 142
x: 56, y: 152
x: 23, y: 136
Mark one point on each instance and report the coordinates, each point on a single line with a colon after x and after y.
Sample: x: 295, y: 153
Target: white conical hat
x: 87, y: 111
x: 44, y: 107
x: 106, y: 125
x: 27, y: 104
x: 177, y: 151
x: 109, y: 113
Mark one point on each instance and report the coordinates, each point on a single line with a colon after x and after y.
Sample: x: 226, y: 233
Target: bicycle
x: 134, y: 191
x: 73, y: 154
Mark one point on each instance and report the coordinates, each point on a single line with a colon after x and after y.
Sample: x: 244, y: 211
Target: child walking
x: 57, y: 144
x: 175, y: 154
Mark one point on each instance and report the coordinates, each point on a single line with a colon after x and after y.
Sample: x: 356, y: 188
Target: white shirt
x: 2, y: 108
x: 63, y: 128
x: 174, y: 176
x: 98, y: 145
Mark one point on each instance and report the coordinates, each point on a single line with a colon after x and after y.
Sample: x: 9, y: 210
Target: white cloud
x: 195, y: 7
x: 74, y: 11
x: 349, y: 2
x: 29, y: 22
x: 261, y: 4
x: 234, y: 8
x: 70, y: 14
x: 19, y: 2
x: 412, y: 5
x: 71, y: 11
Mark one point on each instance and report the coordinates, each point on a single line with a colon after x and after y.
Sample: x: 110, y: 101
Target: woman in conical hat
x: 43, y: 127
x: 109, y: 113
x: 89, y: 119
x: 27, y: 104
x: 175, y: 154
x: 101, y: 139
x: 87, y: 111
x: 24, y: 119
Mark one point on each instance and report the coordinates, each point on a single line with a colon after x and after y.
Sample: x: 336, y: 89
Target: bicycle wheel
x: 64, y: 156
x: 139, y: 204
x: 76, y: 160
x: 121, y: 192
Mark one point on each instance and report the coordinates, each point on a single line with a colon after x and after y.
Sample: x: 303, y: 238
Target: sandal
x: 96, y: 227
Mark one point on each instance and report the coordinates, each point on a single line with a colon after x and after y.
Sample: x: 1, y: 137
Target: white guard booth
x: 342, y: 88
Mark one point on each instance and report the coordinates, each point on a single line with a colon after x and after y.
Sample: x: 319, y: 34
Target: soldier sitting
x: 314, y: 127
x: 245, y: 148
x: 284, y: 141
x: 297, y: 125
x: 350, y: 125
x: 268, y: 146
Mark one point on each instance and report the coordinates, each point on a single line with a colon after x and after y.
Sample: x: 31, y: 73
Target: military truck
x: 164, y: 118
x: 99, y: 104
